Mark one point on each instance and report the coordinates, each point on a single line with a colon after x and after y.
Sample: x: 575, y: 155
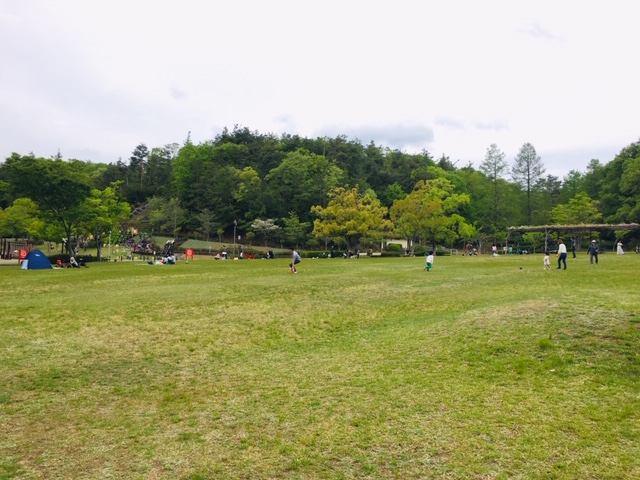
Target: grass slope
x: 369, y: 368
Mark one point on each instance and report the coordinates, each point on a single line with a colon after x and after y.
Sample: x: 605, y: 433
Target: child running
x: 429, y: 261
x: 547, y: 261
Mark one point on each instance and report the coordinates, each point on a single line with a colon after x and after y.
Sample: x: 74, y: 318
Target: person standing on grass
x: 573, y: 247
x: 620, y: 251
x: 593, y: 251
x: 429, y: 264
x: 562, y: 254
x: 547, y: 261
x: 295, y: 259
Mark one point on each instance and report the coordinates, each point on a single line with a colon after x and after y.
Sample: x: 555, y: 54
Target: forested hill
x: 244, y: 176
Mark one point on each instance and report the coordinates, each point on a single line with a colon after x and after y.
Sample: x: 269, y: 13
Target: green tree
x: 435, y: 207
x: 405, y: 169
x: 593, y: 178
x: 408, y: 215
x: 580, y: 210
x: 4, y: 191
x: 165, y: 216
x: 629, y: 210
x: 526, y: 171
x: 572, y: 184
x: 59, y: 188
x: 535, y: 239
x: 302, y: 180
x: 295, y: 231
x: 209, y: 176
x: 103, y: 212
x: 248, y: 193
x: 135, y: 185
x: 207, y: 220
x: 349, y: 157
x: 547, y: 193
x: 21, y: 220
x: 351, y: 216
x: 494, y: 167
x: 267, y: 229
x: 158, y: 170
x: 392, y: 193
x: 615, y: 185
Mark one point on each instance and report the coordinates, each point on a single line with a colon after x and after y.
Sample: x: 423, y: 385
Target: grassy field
x: 369, y: 368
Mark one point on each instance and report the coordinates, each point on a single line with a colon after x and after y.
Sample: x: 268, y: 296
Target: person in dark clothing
x: 593, y: 251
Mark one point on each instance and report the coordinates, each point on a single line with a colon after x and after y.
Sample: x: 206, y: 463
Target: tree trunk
x: 98, y: 238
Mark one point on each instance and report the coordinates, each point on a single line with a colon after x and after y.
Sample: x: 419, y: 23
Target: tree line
x: 310, y: 192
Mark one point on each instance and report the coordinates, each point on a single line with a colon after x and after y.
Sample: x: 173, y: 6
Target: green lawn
x: 369, y: 368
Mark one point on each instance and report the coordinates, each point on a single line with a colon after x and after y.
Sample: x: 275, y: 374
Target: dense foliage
x: 242, y: 178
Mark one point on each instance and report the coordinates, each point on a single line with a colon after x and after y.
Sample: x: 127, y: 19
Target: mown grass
x: 369, y: 368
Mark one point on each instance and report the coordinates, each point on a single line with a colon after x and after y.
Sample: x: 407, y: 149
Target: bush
x: 394, y: 247
x: 420, y: 250
x: 314, y: 254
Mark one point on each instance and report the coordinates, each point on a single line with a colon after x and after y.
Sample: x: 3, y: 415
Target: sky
x: 92, y: 80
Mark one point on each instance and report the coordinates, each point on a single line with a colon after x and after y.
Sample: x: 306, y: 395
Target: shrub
x: 394, y: 247
x: 314, y: 254
x: 420, y: 250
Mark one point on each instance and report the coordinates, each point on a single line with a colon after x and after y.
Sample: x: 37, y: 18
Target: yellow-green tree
x: 408, y: 215
x: 352, y: 216
x: 580, y: 210
x: 430, y: 213
x: 103, y: 212
x: 21, y: 220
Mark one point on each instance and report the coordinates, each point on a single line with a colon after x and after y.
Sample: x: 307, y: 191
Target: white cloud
x: 94, y: 79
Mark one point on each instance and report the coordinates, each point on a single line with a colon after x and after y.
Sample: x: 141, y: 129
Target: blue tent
x: 36, y: 260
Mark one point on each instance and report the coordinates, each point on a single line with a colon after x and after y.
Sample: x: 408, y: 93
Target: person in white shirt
x: 429, y: 264
x: 562, y: 254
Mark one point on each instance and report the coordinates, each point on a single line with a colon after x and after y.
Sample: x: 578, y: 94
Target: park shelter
x: 597, y: 227
x: 36, y: 260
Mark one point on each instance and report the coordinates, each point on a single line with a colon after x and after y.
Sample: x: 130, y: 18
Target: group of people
x: 73, y: 263
x: 224, y: 255
x: 346, y: 254
x: 592, y: 251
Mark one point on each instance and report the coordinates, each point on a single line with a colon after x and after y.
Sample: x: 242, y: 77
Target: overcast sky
x: 93, y: 79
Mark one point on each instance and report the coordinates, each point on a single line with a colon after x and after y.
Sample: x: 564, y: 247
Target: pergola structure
x: 547, y: 229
